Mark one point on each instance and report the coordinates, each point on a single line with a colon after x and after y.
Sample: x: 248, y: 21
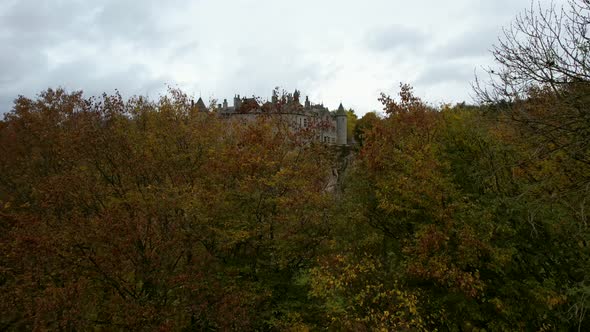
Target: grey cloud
x: 184, y: 50
x: 486, y: 26
x: 262, y: 69
x: 35, y: 24
x: 475, y: 42
x: 248, y: 47
x: 41, y: 23
x: 83, y: 75
x: 29, y: 29
x: 136, y: 22
x: 445, y: 72
x: 16, y: 62
x: 504, y: 8
x: 396, y: 37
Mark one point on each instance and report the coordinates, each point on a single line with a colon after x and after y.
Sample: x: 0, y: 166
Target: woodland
x: 134, y: 214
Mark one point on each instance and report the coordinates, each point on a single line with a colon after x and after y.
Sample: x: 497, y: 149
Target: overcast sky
x: 334, y: 51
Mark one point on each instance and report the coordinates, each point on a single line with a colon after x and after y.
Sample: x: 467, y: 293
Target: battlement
x: 330, y: 126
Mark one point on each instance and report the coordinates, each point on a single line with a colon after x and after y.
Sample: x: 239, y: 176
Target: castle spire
x: 201, y: 105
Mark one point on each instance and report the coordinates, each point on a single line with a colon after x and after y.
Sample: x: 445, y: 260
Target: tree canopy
x: 137, y: 214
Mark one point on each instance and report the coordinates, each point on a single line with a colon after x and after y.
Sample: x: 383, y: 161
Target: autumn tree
x: 543, y: 47
x: 137, y: 214
x: 364, y: 125
x: 539, y: 90
x: 542, y: 78
x: 445, y: 219
x: 351, y: 119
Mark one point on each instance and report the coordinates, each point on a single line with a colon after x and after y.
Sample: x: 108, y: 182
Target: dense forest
x: 137, y: 214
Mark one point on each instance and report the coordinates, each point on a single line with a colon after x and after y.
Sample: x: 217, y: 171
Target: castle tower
x: 341, y: 125
x: 237, y: 102
x: 296, y: 95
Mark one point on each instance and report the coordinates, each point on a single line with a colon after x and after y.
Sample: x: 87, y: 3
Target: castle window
x: 305, y: 122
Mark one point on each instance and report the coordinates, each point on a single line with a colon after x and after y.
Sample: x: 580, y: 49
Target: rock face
x: 344, y: 158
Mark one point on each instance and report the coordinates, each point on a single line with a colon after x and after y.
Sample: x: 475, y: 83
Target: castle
x: 329, y: 126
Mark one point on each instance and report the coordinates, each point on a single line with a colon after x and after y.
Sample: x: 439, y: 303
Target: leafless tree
x: 542, y: 78
x: 543, y: 47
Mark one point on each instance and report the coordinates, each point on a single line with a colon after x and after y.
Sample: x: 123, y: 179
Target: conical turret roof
x: 201, y: 105
x: 340, y: 110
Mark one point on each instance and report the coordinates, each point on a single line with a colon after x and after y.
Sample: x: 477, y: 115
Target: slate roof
x: 341, y: 110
